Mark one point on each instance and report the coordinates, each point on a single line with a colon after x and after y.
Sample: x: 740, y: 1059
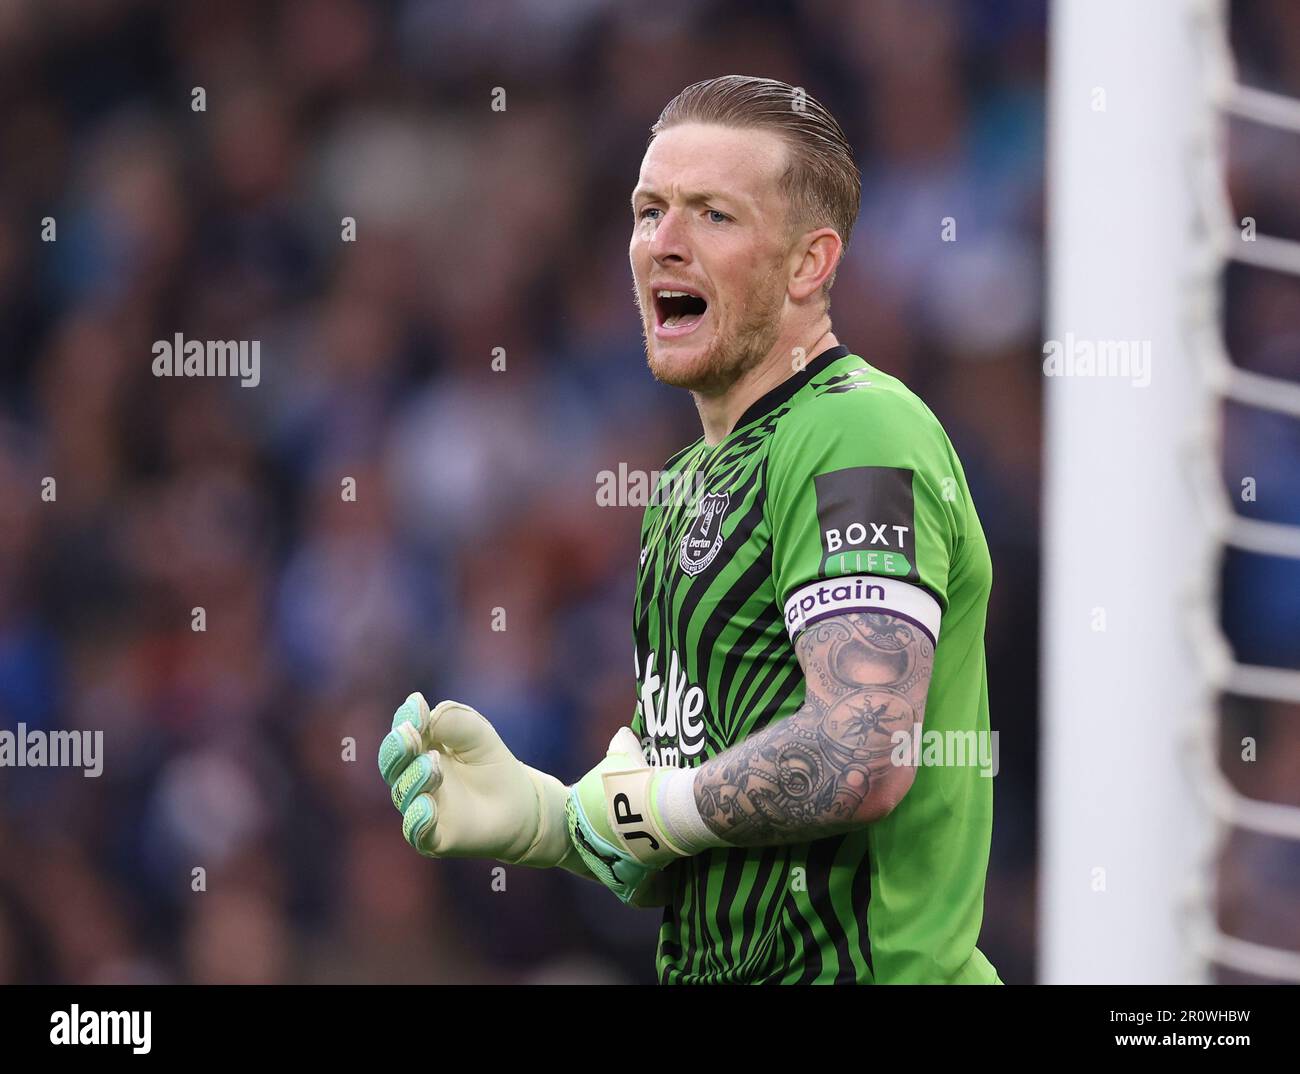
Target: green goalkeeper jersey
x: 840, y: 472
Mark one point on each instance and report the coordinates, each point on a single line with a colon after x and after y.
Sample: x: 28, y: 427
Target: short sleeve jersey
x: 838, y: 491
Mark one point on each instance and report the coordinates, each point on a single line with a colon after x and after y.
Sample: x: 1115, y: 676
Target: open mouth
x: 677, y: 312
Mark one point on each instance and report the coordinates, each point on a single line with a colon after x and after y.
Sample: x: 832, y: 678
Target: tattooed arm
x: 826, y: 769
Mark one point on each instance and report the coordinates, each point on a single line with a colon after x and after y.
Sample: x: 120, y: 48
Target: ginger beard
x: 737, y: 342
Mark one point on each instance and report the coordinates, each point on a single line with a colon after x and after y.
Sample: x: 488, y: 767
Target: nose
x: 667, y: 243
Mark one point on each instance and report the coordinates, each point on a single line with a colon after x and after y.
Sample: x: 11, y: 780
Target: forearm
x: 828, y: 768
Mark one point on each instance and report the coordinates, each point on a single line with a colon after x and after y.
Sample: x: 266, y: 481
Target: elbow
x: 885, y: 796
x: 876, y: 807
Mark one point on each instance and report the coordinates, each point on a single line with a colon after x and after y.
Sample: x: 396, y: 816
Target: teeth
x: 674, y: 294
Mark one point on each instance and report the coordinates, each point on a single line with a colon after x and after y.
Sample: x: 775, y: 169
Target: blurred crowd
x: 240, y: 831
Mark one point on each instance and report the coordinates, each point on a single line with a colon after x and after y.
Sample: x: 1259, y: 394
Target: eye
x: 648, y: 209
x: 715, y: 213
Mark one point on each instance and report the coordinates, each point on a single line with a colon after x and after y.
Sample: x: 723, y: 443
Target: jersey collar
x: 784, y: 391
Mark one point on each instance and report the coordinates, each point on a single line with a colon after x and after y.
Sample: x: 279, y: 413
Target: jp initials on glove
x: 628, y: 820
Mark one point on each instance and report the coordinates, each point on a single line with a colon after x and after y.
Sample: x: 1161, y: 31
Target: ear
x: 817, y: 253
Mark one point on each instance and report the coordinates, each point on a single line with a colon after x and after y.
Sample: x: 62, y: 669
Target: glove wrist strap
x: 653, y: 810
x: 672, y: 802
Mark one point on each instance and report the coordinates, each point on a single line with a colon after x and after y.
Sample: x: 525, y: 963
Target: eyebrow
x: 696, y: 198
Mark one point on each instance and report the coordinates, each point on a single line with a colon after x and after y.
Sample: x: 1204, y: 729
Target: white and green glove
x: 628, y: 820
x: 463, y: 794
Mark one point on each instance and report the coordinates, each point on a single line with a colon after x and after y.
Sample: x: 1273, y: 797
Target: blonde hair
x: 821, y: 183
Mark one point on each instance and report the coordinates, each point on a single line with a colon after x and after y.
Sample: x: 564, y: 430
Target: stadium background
x: 475, y: 489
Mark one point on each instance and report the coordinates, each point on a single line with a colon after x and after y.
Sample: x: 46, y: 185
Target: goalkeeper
x: 807, y: 616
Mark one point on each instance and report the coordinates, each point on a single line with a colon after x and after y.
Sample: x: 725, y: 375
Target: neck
x: 719, y: 413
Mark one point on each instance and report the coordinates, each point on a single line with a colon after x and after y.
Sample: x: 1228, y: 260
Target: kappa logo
x: 703, y: 538
x: 850, y: 381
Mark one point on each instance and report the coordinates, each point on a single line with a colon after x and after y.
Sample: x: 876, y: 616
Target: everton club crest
x: 703, y: 537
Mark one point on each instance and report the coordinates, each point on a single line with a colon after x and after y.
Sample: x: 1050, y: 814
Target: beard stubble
x: 730, y: 354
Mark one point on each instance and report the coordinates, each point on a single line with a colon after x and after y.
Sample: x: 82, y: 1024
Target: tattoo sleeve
x: 827, y: 768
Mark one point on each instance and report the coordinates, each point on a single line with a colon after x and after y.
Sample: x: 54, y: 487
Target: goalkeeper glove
x: 628, y: 820
x: 463, y: 794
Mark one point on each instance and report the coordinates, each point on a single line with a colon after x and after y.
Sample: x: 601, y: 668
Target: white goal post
x: 1133, y: 803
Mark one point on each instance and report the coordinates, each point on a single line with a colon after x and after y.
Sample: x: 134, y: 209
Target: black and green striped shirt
x: 839, y: 472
